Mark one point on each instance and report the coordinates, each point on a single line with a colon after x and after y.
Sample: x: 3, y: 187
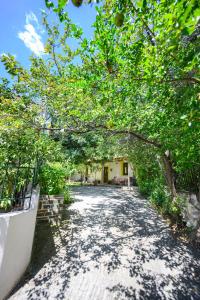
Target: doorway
x: 105, y: 175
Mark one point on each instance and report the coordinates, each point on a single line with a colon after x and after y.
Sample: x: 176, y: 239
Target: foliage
x: 88, y: 146
x: 151, y: 181
x: 58, y: 6
x: 67, y: 195
x: 161, y: 199
x: 147, y: 167
x: 138, y: 81
x: 5, y: 203
x: 53, y: 178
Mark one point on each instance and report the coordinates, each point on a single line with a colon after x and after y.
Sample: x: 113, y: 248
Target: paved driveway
x: 110, y: 245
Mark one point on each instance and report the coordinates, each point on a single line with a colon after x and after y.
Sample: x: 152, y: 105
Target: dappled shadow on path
x: 111, y: 245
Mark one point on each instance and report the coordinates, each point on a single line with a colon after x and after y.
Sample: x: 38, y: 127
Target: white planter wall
x: 16, y: 240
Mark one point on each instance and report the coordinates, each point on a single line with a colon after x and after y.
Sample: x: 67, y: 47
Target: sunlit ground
x: 110, y: 245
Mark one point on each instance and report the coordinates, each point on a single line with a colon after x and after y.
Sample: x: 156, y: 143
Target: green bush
x: 67, y: 195
x: 177, y: 206
x: 52, y: 178
x: 145, y: 183
x: 148, y: 179
x: 145, y: 187
x: 159, y: 195
x: 5, y: 203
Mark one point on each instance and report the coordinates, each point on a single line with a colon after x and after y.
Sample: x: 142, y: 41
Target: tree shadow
x: 115, y: 243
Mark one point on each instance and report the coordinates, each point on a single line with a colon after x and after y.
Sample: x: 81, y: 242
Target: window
x: 125, y: 168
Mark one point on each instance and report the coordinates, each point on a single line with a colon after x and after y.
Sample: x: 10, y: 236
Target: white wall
x: 16, y: 240
x: 116, y: 167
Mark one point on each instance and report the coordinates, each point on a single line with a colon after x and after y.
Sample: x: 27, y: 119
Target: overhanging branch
x: 160, y: 81
x: 112, y: 131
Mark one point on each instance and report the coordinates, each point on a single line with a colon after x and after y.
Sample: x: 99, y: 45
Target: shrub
x: 145, y: 187
x: 148, y: 180
x: 52, y: 178
x: 159, y: 196
x: 5, y: 204
x: 162, y: 200
x: 67, y: 195
x: 177, y: 207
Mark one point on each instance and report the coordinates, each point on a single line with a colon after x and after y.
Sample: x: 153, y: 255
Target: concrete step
x: 48, y: 213
x: 49, y: 206
x: 55, y: 201
x: 54, y: 216
x: 51, y: 198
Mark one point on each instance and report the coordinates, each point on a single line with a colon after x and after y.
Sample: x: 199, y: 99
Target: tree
x: 139, y: 80
x: 135, y: 85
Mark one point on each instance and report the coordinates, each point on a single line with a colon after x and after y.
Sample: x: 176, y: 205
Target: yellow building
x: 117, y: 171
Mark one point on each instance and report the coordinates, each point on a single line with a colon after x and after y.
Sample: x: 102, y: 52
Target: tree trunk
x: 169, y: 174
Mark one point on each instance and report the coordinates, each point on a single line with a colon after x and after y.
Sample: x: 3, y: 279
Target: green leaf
x: 62, y: 3
x: 49, y: 4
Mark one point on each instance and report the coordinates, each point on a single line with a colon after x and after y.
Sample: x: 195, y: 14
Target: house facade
x: 118, y: 171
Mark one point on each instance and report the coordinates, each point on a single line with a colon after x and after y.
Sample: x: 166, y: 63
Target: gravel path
x: 110, y: 245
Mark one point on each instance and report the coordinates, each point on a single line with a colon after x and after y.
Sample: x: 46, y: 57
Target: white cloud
x: 30, y: 37
x: 31, y: 17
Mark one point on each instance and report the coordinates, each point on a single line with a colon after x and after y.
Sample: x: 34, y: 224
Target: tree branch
x: 187, y: 79
x: 55, y: 60
x: 112, y: 131
x: 134, y: 134
x: 149, y: 32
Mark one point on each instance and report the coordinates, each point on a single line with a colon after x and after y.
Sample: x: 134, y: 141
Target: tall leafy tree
x: 137, y: 77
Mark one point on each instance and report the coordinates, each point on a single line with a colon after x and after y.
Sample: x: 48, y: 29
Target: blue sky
x: 21, y: 33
